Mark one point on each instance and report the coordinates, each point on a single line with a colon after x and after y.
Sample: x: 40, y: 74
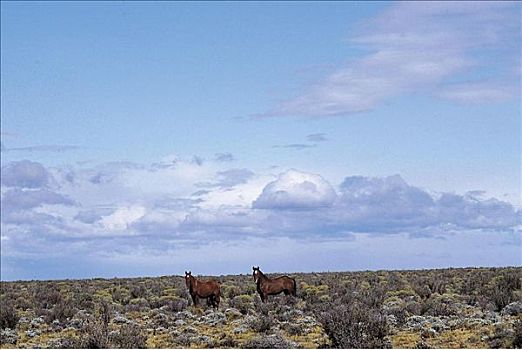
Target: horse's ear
x: 190, y: 273
x: 253, y: 268
x: 257, y: 268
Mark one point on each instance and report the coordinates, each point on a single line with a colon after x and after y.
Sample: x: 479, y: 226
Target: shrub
x: 228, y: 342
x: 138, y: 291
x: 261, y: 324
x: 293, y: 329
x: 439, y: 306
x: 129, y: 337
x: 422, y: 290
x: 243, y: 303
x: 373, y: 297
x: 47, y: 296
x: 517, y: 337
x: 120, y: 296
x: 23, y: 303
x: 261, y: 308
x: 61, y: 311
x: 230, y: 292
x: 183, y: 340
x: 8, y: 315
x: 413, y: 308
x: 501, y: 290
x: 138, y: 305
x: 355, y: 326
x: 95, y: 334
x: 177, y: 305
x: 313, y: 293
x: 502, y: 337
x: 84, y: 300
x: 271, y: 342
x: 437, y: 286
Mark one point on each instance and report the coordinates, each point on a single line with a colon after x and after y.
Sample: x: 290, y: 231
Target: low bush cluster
x: 355, y: 326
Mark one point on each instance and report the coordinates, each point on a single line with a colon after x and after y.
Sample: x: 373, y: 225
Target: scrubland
x: 446, y: 308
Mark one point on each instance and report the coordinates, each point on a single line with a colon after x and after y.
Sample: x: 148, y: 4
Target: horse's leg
x: 286, y: 291
x: 194, y: 300
x: 216, y: 300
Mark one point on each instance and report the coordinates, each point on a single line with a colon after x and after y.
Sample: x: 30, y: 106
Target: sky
x: 150, y: 138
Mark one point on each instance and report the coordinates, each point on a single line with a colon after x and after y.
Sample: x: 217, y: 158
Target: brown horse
x: 203, y: 289
x: 272, y: 286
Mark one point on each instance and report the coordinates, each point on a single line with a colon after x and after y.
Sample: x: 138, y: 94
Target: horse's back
x: 214, y: 285
x: 285, y: 279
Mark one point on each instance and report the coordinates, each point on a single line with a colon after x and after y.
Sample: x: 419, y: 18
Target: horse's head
x: 188, y: 276
x: 256, y: 273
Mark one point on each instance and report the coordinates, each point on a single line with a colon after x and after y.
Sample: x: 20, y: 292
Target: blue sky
x: 136, y: 136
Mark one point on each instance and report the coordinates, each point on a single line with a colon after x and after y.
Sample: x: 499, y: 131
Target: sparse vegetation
x: 448, y: 308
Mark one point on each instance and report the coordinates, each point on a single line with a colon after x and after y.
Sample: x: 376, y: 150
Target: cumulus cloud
x: 423, y: 48
x: 147, y: 200
x: 122, y: 218
x: 390, y: 204
x: 25, y: 173
x: 294, y: 190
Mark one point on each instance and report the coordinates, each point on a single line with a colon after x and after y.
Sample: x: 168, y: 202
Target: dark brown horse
x: 203, y: 289
x: 272, y: 286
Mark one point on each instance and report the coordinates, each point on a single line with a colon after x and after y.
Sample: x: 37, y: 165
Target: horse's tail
x: 295, y: 288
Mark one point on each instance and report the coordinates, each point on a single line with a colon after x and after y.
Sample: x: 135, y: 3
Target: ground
x: 448, y: 308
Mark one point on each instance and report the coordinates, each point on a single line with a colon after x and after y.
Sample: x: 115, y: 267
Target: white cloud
x: 122, y: 218
x: 420, y: 47
x: 294, y: 189
x: 476, y: 92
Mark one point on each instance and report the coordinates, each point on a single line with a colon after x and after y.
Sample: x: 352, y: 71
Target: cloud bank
x: 117, y: 209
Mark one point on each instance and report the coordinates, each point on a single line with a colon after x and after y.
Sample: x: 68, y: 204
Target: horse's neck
x: 193, y: 284
x: 262, y: 278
